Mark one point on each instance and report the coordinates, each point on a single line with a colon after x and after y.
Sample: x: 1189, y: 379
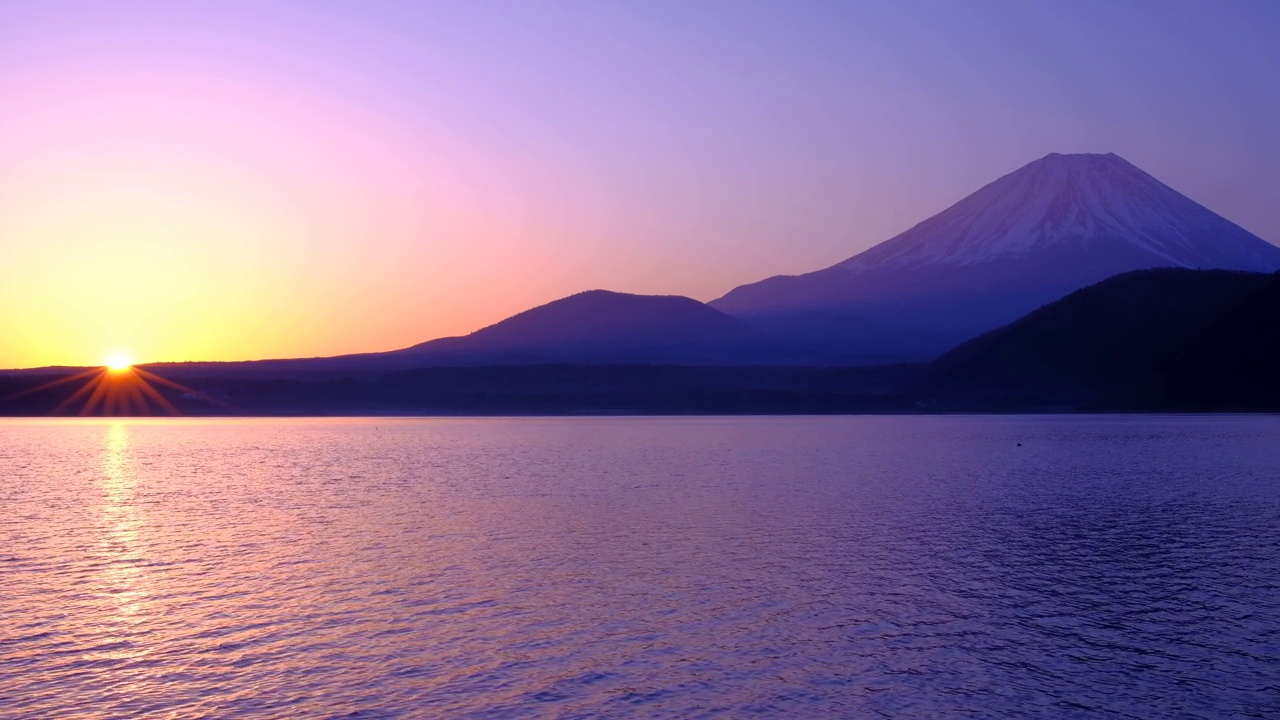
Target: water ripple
x: 658, y: 568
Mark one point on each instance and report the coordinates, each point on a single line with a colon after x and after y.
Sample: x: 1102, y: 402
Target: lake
x: 1091, y: 566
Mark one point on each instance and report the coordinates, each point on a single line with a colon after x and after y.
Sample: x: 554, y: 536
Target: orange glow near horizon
x: 199, y: 221
x: 236, y: 211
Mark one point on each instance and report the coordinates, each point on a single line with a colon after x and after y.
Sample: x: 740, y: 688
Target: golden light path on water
x: 123, y: 584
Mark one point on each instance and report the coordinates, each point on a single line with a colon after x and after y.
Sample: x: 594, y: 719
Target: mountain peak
x: 1079, y: 157
x: 1093, y: 203
x: 1079, y: 165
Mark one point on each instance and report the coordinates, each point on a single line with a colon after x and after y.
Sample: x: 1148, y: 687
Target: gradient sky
x: 235, y: 180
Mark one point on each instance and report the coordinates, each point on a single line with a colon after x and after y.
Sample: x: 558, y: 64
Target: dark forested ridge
x: 1231, y: 365
x: 1103, y: 346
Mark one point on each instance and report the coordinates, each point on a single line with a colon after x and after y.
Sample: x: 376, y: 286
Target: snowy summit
x: 1093, y: 202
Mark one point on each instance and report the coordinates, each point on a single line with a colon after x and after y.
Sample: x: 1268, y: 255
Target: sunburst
x: 117, y: 388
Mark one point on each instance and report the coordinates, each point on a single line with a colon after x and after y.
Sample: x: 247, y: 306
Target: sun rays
x: 117, y: 389
x: 112, y: 391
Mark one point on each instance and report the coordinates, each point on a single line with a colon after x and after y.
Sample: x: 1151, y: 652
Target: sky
x: 238, y: 180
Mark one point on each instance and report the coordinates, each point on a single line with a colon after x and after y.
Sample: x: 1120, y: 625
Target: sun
x: 118, y: 363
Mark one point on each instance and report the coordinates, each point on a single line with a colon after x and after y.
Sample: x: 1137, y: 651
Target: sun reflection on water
x: 123, y: 578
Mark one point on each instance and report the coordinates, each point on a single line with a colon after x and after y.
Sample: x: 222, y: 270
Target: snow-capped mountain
x: 1049, y: 228
x: 1095, y: 202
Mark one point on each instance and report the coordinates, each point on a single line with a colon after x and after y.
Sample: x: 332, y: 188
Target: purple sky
x: 366, y: 175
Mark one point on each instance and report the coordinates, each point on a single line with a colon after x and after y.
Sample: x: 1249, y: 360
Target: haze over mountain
x: 588, y: 328
x: 1053, y: 226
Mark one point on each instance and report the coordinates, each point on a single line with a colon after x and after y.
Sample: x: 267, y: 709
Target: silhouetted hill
x: 1231, y: 365
x: 599, y: 326
x: 1056, y: 225
x: 1105, y: 342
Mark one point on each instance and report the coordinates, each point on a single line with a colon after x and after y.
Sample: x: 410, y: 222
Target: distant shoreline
x: 559, y: 391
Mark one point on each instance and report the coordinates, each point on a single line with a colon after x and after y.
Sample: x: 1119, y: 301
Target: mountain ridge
x: 592, y: 327
x: 1167, y: 339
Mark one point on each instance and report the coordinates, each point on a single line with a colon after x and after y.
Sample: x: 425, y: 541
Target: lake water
x: 641, y: 567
